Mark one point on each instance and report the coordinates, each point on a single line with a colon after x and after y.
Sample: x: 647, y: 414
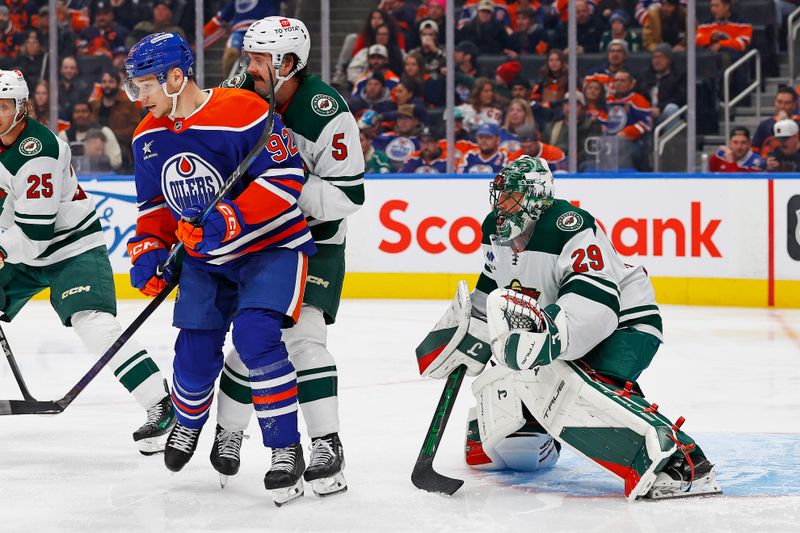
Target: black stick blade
x: 424, y: 477
x: 25, y: 407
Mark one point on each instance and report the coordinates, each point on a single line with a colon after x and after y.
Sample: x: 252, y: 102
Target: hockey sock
x: 275, y: 401
x: 132, y: 366
x: 234, y: 407
x: 197, y: 364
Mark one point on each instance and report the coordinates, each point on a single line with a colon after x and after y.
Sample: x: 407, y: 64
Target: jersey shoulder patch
x: 34, y: 141
x: 313, y: 107
x: 558, y: 225
x: 239, y: 81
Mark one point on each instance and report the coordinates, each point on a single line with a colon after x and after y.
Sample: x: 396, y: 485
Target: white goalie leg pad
x: 500, y: 419
x: 457, y: 339
x: 598, y: 421
x: 316, y: 371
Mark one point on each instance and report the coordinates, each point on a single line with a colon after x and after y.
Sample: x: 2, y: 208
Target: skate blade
x: 704, y: 487
x: 329, y: 486
x: 152, y: 445
x: 223, y: 480
x: 287, y: 495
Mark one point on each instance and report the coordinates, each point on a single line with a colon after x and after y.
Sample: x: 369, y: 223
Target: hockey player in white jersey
x: 50, y: 237
x: 327, y: 136
x: 572, y: 328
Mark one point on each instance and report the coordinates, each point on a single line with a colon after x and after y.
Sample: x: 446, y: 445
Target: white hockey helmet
x: 14, y: 86
x: 279, y: 36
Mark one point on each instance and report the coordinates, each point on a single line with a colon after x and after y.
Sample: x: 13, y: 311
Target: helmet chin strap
x: 174, y: 96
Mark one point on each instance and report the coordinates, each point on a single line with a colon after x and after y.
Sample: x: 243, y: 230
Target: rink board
x: 704, y: 239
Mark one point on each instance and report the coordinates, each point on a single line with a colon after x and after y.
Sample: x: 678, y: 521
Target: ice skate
x: 181, y: 444
x: 225, y: 453
x: 325, y: 466
x: 677, y: 480
x: 151, y: 437
x: 284, y: 478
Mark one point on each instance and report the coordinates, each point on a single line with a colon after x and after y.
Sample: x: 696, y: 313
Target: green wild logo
x: 569, y: 221
x: 30, y: 146
x: 236, y: 81
x: 324, y: 105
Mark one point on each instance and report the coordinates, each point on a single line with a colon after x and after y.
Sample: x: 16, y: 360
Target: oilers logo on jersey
x: 617, y: 119
x: 187, y: 180
x: 400, y: 148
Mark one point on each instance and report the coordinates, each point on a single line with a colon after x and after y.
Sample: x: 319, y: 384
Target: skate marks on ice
x: 747, y: 465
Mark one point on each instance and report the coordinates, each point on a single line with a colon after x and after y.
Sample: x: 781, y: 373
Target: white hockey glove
x: 457, y: 339
x: 524, y: 335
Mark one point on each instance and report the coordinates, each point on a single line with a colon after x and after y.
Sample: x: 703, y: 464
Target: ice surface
x: 733, y: 373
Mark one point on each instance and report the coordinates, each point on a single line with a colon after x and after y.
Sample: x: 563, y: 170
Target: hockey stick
x: 424, y: 476
x: 14, y: 368
x: 27, y: 407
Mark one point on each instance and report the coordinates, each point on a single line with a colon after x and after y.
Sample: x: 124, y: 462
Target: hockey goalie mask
x: 519, y: 194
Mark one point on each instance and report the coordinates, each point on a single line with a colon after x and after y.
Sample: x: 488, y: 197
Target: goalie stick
x: 424, y: 476
x: 29, y: 406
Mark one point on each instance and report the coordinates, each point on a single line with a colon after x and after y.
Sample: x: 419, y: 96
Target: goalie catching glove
x: 457, y: 339
x: 523, y: 334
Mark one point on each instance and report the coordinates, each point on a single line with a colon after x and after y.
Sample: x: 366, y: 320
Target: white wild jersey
x: 570, y: 262
x: 46, y: 216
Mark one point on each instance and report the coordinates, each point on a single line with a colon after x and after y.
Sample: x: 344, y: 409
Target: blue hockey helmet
x: 157, y: 54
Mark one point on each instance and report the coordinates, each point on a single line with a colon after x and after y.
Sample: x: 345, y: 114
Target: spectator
x: 552, y: 84
x: 539, y: 13
x: 466, y: 58
x: 487, y: 157
x: 161, y: 21
x: 737, y: 156
x: 435, y: 11
x: 129, y: 13
x: 115, y: 110
x: 403, y: 94
x: 530, y: 36
x: 461, y: 133
x: 413, y: 69
x: 65, y: 37
x: 518, y: 116
x: 482, y: 107
x: 9, y: 36
x: 786, y: 156
x: 40, y: 106
x: 104, y: 35
x: 82, y: 123
x: 485, y: 31
x: 499, y: 11
x: 378, y: 62
x: 785, y: 105
x: 557, y: 133
x: 373, y: 96
x: 663, y: 85
x: 430, y: 159
x: 665, y: 22
x: 432, y: 55
x: 629, y: 118
x: 360, y: 62
x: 31, y: 60
x: 71, y: 87
x: 529, y: 144
x: 375, y: 161
x: 594, y: 93
x: 376, y: 19
x: 94, y: 148
x: 726, y: 32
x: 590, y: 29
x: 503, y: 76
x: 400, y: 143
x: 118, y: 57
x: 617, y: 57
x: 521, y: 88
x: 403, y: 13
x: 644, y: 8
x: 619, y: 30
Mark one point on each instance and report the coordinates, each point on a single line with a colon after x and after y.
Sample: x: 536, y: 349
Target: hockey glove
x: 147, y: 253
x: 223, y: 224
x: 523, y: 334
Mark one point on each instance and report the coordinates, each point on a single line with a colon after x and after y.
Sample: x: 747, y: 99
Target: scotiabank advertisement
x: 701, y: 236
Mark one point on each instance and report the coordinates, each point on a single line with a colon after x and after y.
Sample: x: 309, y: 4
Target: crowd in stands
x: 512, y: 78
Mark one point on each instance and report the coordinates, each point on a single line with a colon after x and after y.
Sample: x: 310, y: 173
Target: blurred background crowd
x: 511, y: 77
